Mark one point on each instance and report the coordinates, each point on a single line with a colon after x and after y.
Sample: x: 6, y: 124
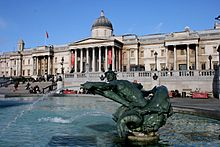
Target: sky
x: 67, y: 21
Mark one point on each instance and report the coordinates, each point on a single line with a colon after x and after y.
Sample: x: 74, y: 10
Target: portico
x: 182, y: 57
x: 99, y: 58
x: 182, y: 50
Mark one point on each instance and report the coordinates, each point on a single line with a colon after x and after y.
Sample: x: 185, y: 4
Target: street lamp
x: 155, y: 54
x: 210, y: 62
x: 62, y: 70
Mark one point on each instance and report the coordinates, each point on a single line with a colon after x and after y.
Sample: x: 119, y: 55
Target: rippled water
x: 87, y: 121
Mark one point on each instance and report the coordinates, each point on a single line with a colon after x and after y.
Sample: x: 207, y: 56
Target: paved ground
x: 205, y: 107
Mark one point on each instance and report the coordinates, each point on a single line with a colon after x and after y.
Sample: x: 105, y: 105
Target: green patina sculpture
x: 142, y: 112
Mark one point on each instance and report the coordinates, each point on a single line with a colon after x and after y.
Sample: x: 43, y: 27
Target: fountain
x: 142, y: 112
x: 86, y: 120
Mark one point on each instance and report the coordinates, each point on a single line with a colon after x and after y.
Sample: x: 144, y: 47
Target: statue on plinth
x: 142, y: 112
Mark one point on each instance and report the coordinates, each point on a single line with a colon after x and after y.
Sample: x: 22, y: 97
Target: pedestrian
x: 16, y: 85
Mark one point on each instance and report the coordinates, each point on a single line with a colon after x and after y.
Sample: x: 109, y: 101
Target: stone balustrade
x: 174, y: 80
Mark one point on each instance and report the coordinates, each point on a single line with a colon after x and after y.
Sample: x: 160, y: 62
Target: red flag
x: 47, y: 35
x: 109, y: 56
x: 73, y: 59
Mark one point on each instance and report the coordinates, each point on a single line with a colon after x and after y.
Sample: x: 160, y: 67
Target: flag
x: 47, y: 35
x: 109, y: 56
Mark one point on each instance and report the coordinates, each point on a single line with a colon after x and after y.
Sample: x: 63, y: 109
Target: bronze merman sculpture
x: 142, y: 112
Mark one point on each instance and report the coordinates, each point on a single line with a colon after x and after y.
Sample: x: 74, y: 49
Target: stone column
x: 106, y: 58
x: 87, y: 56
x: 34, y: 65
x: 81, y: 60
x: 197, y: 58
x: 75, y: 66
x: 100, y: 60
x: 49, y: 66
x: 44, y: 65
x: 167, y: 56
x: 119, y: 59
x: 187, y: 56
x: 113, y: 58
x: 174, y: 55
x: 93, y: 59
x: 17, y: 65
x: 128, y: 60
x: 37, y: 65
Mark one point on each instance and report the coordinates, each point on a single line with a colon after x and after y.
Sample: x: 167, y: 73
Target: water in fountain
x: 83, y: 120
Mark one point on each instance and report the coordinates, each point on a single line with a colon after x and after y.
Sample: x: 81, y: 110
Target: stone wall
x: 182, y: 81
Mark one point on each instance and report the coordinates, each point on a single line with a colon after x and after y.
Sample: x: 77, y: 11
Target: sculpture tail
x: 127, y: 123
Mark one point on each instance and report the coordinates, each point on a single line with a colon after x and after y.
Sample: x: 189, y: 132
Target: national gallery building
x: 184, y: 50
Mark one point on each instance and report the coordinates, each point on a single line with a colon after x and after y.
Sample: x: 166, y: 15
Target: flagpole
x: 46, y: 37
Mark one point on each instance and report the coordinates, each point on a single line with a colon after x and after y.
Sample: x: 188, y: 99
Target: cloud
x: 3, y: 23
x: 158, y: 27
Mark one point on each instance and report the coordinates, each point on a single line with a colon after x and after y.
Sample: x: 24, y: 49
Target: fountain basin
x: 86, y: 120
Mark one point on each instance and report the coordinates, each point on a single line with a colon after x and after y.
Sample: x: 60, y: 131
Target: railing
x: 147, y: 74
x: 49, y: 87
x: 6, y: 83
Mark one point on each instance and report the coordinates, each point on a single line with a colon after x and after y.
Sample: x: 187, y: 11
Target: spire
x: 102, y: 13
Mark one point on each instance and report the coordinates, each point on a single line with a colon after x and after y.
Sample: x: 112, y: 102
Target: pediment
x: 89, y: 41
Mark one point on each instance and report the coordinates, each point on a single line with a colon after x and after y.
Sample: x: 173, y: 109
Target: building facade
x: 184, y: 50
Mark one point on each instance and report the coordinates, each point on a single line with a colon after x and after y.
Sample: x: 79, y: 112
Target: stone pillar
x: 93, y: 59
x: 174, y: 55
x: 113, y: 58
x: 49, y: 66
x: 128, y: 59
x: 106, y: 58
x: 17, y: 65
x: 37, y: 64
x: 187, y: 56
x: 81, y: 60
x: 167, y: 56
x: 100, y: 60
x: 34, y: 65
x: 119, y: 60
x: 197, y: 58
x: 87, y: 56
x: 44, y: 68
x: 75, y: 66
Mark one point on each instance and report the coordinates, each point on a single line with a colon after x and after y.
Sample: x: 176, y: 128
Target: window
x: 142, y: 54
x: 162, y: 66
x: 55, y: 60
x: 214, y: 49
x: 152, y: 66
x: 162, y: 52
x: 182, y: 52
x: 23, y: 61
x: 29, y: 72
x: 202, y: 50
x: 132, y: 53
x: 152, y: 53
x: 203, y: 66
x: 14, y: 72
x: 29, y: 62
x: 14, y: 62
x: 23, y: 72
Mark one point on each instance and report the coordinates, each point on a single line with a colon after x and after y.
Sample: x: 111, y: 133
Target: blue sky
x: 71, y: 20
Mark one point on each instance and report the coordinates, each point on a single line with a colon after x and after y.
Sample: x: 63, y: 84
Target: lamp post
x: 210, y: 62
x: 62, y: 70
x: 155, y: 54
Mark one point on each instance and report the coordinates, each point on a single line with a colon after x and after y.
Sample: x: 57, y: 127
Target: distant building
x: 185, y: 50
